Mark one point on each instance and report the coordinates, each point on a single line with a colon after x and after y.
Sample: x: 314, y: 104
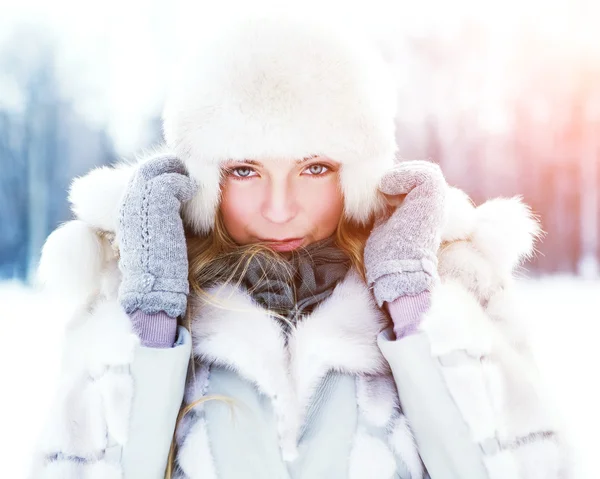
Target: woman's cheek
x: 326, y: 202
x: 238, y: 208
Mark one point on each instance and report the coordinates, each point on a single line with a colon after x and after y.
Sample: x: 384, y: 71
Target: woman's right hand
x: 150, y: 234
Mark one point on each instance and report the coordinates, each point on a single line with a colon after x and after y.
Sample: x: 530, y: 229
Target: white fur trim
x: 199, y: 213
x: 456, y: 321
x: 102, y: 470
x: 59, y: 470
x: 339, y: 335
x: 483, y: 245
x: 111, y: 278
x: 282, y: 87
x: 521, y: 406
x: 539, y: 460
x: 475, y: 314
x: 505, y: 380
x: 71, y: 470
x: 506, y: 310
x: 403, y: 442
x: 377, y: 399
x: 195, y: 457
x: 96, y: 197
x: 505, y: 233
x: 371, y: 458
x: 536, y: 460
x: 94, y: 398
x: 76, y: 426
x: 378, y: 404
x: 228, y: 331
x: 71, y: 261
x: 501, y: 465
x: 100, y: 339
x: 460, y: 216
x: 462, y: 262
x: 488, y: 371
x: 78, y: 268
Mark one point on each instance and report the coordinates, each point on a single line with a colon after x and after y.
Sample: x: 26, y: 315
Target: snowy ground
x: 565, y: 322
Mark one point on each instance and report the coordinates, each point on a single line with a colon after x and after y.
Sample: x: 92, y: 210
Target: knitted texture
x: 401, y: 251
x: 153, y: 253
x: 407, y: 313
x: 157, y: 330
x: 295, y: 287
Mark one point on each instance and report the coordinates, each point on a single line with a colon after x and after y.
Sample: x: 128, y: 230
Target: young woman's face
x: 288, y: 204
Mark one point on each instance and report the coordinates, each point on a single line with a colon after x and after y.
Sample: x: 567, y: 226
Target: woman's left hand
x: 401, y: 252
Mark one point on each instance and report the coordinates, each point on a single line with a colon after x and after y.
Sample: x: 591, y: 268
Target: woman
x: 349, y: 317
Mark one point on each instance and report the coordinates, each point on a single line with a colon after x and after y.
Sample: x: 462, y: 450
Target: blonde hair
x: 207, y: 268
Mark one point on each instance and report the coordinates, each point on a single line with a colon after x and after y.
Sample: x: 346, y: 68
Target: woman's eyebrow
x: 259, y: 164
x: 252, y: 162
x: 308, y: 158
x: 244, y: 162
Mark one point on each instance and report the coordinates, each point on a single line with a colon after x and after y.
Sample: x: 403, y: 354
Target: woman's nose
x: 280, y: 205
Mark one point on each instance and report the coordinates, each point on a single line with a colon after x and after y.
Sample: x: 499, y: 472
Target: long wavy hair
x: 215, y: 259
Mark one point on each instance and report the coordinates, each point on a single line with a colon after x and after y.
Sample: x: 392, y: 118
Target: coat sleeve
x: 117, y: 402
x: 441, y: 433
x: 472, y: 396
x: 159, y: 382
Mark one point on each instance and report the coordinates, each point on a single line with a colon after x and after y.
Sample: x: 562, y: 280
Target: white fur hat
x: 280, y: 87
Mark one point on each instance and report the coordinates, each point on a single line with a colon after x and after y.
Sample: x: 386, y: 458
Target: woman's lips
x: 285, y: 245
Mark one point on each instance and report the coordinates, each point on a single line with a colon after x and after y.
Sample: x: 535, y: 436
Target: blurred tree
x: 43, y: 144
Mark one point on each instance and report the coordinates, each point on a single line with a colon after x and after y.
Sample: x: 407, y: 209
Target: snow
x: 564, y: 336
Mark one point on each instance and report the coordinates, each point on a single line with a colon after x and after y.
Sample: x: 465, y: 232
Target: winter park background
x: 505, y: 95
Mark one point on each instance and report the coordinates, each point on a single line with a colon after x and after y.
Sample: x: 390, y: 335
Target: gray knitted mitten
x: 401, y: 252
x: 151, y: 238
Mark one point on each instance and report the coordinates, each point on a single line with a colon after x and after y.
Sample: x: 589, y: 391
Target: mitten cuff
x: 154, y: 330
x: 390, y: 287
x: 407, y: 312
x: 174, y: 304
x: 147, y: 282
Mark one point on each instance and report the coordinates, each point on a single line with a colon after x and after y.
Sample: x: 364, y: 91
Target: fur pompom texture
x: 482, y: 246
x: 96, y: 197
x: 72, y: 260
x: 506, y: 231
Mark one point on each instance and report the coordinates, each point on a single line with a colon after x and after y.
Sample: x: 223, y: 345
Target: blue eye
x: 317, y: 169
x: 242, y: 172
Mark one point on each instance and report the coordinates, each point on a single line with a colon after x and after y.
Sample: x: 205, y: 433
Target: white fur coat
x: 473, y: 333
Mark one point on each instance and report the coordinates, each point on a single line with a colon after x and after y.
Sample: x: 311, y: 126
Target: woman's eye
x: 242, y: 172
x: 317, y: 169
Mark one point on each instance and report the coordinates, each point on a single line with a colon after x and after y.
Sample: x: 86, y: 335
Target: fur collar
x: 340, y: 335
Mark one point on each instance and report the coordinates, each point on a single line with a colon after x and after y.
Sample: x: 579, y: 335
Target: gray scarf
x: 294, y: 287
